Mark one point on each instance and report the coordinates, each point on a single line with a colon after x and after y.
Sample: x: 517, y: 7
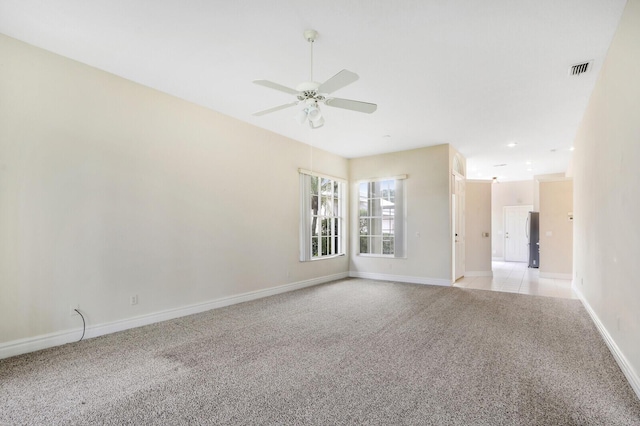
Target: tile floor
x: 516, y: 277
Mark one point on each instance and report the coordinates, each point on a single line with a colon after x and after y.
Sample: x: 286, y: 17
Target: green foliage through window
x: 380, y: 206
x: 322, y: 217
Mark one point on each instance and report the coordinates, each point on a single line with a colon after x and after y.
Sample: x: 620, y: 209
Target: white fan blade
x: 272, y: 85
x: 352, y: 105
x: 278, y: 108
x: 338, y: 81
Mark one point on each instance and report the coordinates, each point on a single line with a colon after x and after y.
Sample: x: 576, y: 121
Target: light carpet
x: 349, y: 352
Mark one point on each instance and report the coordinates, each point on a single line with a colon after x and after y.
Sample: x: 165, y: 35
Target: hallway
x: 516, y: 277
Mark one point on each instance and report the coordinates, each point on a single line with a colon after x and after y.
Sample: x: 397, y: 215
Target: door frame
x: 457, y: 214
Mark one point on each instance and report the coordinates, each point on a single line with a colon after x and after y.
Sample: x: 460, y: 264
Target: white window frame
x: 336, y: 234
x: 399, y: 218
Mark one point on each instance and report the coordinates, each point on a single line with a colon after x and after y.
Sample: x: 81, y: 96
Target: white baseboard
x: 556, y: 276
x: 36, y: 343
x: 627, y: 369
x: 478, y: 273
x: 497, y: 259
x: 400, y: 278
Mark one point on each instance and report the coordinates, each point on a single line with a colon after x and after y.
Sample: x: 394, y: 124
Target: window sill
x: 315, y: 259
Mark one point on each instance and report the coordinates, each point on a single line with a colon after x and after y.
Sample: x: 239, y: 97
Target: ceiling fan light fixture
x: 314, y: 114
x: 311, y: 113
x: 301, y: 116
x: 317, y: 123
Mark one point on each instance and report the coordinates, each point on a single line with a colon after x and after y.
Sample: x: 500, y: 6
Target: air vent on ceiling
x: 580, y: 68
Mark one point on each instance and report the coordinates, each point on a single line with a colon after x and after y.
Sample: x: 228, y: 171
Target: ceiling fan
x: 310, y: 94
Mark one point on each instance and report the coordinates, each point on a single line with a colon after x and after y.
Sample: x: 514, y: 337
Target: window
x: 381, y: 217
x: 322, y: 216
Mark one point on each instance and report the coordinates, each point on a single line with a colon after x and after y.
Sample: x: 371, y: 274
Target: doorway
x: 457, y: 226
x: 516, y: 248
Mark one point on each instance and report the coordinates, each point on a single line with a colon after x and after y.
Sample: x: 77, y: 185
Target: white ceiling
x: 475, y: 74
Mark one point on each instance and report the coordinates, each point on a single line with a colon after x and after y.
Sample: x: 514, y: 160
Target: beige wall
x: 506, y: 194
x: 536, y: 186
x: 109, y: 189
x: 607, y: 196
x: 477, y: 223
x: 428, y: 215
x: 556, y: 230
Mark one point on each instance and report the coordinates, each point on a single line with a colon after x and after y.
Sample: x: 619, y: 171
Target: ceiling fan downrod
x: 310, y: 36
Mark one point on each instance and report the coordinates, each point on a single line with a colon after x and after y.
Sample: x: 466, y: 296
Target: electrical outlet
x: 72, y: 309
x: 133, y: 300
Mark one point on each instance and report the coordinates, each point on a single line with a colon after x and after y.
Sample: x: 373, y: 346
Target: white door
x: 516, y: 243
x: 457, y: 220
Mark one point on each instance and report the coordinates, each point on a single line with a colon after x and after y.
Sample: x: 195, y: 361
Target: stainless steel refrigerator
x: 533, y: 233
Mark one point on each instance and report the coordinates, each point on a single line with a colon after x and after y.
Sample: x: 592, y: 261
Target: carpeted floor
x: 348, y: 352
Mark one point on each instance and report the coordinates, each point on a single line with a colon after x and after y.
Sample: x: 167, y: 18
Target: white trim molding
x: 556, y: 275
x: 36, y: 343
x: 378, y: 179
x: 400, y: 278
x: 625, y: 366
x: 478, y: 273
x: 320, y: 175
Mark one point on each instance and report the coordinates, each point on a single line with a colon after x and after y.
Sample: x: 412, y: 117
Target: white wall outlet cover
x: 548, y: 233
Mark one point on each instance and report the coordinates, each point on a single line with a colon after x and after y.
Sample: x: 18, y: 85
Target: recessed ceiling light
x: 529, y: 169
x: 511, y: 144
x: 528, y: 163
x: 571, y: 149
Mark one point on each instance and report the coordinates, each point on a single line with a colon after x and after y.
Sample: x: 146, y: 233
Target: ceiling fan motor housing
x: 309, y: 90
